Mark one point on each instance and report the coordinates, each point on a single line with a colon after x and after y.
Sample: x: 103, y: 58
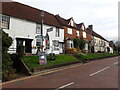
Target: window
x: 84, y: 34
x: 5, y: 20
x: 72, y: 23
x: 57, y: 32
x: 77, y: 32
x: 82, y: 27
x: 38, y: 29
x: 56, y: 44
x: 69, y: 31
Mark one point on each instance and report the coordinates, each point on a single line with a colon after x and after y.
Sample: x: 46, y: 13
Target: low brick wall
x: 59, y: 65
x: 53, y: 66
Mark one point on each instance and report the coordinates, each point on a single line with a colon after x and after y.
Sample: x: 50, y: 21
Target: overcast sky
x: 102, y: 14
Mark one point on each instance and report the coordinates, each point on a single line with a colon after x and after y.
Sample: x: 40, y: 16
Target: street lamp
x: 42, y: 16
x: 42, y: 55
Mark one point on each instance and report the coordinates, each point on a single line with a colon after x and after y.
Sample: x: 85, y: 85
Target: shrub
x: 7, y: 69
x: 76, y: 43
x: 82, y: 44
x: 6, y: 42
x: 79, y: 43
x: 71, y: 50
x: 78, y: 50
x: 15, y: 60
x: 21, y: 50
x: 84, y: 51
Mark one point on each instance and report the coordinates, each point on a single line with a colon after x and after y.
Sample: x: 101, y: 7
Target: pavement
x: 96, y: 74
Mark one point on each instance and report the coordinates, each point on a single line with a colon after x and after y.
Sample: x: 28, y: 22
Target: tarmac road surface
x: 101, y: 73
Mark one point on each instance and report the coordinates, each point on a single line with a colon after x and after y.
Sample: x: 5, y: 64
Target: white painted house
x: 23, y: 24
x: 100, y: 44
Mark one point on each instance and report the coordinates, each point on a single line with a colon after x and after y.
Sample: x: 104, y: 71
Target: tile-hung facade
x: 72, y: 31
x: 23, y: 24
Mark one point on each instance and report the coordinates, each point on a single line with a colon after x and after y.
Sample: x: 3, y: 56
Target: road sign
x: 50, y: 29
x: 40, y: 36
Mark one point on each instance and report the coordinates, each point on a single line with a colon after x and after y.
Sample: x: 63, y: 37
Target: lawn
x: 94, y: 55
x: 32, y: 61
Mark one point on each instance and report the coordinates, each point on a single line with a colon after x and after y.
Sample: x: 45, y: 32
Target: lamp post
x: 42, y: 16
x: 42, y: 55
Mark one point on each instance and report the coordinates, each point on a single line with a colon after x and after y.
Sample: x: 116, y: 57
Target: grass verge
x: 33, y: 61
x: 94, y: 55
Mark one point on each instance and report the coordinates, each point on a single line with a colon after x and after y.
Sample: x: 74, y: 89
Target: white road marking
x: 115, y: 63
x: 99, y: 71
x: 65, y: 86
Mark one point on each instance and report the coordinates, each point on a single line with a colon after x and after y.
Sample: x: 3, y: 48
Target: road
x: 101, y: 73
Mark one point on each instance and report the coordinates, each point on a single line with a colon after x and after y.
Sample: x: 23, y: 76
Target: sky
x: 102, y: 14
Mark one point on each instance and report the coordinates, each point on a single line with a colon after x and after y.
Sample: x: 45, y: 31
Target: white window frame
x: 55, y: 44
x: 77, y: 32
x: 4, y: 22
x: 38, y: 29
x: 84, y: 35
x: 57, y: 32
x: 72, y: 23
x: 69, y: 30
x: 82, y: 27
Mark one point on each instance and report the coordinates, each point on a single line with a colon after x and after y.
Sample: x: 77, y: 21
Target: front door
x: 19, y: 42
x: 27, y: 44
x: 28, y: 48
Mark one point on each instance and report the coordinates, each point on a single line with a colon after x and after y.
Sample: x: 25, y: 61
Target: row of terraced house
x: 23, y: 24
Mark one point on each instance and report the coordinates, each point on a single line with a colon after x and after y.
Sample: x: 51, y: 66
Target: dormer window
x: 82, y: 27
x: 72, y: 23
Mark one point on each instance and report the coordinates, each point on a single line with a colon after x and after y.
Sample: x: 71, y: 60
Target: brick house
x: 72, y: 31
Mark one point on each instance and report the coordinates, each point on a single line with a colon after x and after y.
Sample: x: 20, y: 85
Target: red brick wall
x: 88, y: 37
x: 73, y: 35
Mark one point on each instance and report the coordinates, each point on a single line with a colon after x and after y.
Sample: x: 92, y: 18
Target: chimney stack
x: 90, y: 27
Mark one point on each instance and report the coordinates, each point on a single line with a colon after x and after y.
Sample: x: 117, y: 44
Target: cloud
x: 103, y: 14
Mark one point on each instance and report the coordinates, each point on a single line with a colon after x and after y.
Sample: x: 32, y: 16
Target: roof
x: 22, y: 11
x: 79, y: 25
x: 65, y: 22
x: 62, y: 21
x: 97, y: 35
